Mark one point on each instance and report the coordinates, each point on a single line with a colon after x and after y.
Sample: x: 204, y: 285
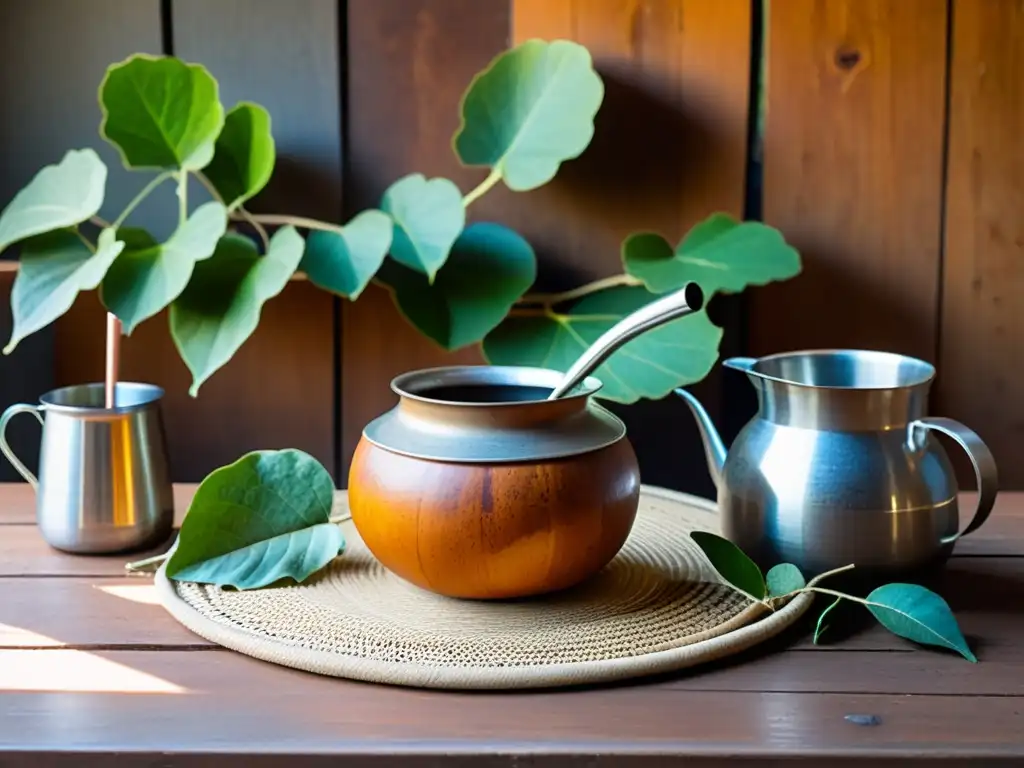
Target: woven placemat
x: 657, y: 607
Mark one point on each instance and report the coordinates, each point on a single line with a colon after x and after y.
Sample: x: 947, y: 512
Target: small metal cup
x: 104, y: 484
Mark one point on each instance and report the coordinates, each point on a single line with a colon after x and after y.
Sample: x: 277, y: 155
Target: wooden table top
x: 93, y: 672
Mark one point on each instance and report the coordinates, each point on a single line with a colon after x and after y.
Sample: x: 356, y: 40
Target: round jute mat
x: 657, y: 607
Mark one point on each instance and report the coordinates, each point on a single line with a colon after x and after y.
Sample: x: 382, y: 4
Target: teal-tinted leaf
x: 918, y: 614
x: 148, y: 276
x: 532, y: 109
x: 822, y: 626
x: 489, y: 268
x: 54, y: 267
x: 257, y: 521
x: 160, y: 112
x: 60, y: 195
x: 221, y: 306
x: 720, y: 254
x: 783, y: 579
x: 651, y: 366
x: 428, y: 216
x: 343, y: 262
x: 732, y: 563
x: 243, y: 157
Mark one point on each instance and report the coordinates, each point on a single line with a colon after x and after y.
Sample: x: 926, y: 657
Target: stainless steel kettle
x: 840, y: 465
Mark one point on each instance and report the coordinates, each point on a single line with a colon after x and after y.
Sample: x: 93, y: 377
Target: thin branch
x: 84, y: 239
x: 155, y: 182
x: 481, y: 189
x: 257, y: 226
x: 553, y: 299
x: 99, y: 221
x: 279, y: 219
x: 209, y: 187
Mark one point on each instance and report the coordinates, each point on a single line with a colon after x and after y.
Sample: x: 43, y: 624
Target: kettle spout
x: 714, y: 448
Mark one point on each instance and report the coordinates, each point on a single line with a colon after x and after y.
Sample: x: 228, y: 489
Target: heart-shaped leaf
x: 343, y: 262
x: 54, y: 267
x: 259, y: 520
x: 489, y: 268
x: 428, y: 216
x: 532, y: 109
x: 720, y: 254
x: 822, y: 626
x: 783, y: 579
x: 60, y: 195
x: 732, y: 563
x: 148, y: 276
x: 221, y: 306
x: 918, y: 614
x: 160, y: 112
x: 652, y: 365
x: 243, y: 157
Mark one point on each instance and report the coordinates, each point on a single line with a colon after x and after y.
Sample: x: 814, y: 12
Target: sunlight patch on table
x: 137, y: 593
x: 70, y: 671
x: 19, y: 637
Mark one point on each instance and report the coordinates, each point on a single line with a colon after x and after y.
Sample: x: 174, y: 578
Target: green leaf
x: 160, y: 112
x: 719, y: 254
x: 243, y: 157
x: 259, y: 520
x: 344, y: 262
x: 60, y: 195
x: 489, y: 268
x: 918, y: 614
x: 148, y: 276
x: 54, y: 267
x: 428, y: 216
x: 783, y: 579
x: 822, y: 626
x: 532, y: 109
x: 732, y: 563
x: 221, y: 306
x: 650, y: 366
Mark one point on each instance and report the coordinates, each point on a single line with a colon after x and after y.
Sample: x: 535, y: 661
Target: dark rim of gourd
x: 405, y: 385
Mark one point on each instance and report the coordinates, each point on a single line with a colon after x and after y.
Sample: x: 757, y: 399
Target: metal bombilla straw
x: 688, y: 299
x: 113, y: 361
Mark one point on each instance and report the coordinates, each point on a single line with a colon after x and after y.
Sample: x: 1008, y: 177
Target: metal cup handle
x: 981, y: 459
x: 5, y: 447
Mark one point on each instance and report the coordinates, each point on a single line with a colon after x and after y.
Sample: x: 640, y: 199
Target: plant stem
x: 155, y: 182
x: 257, y: 226
x: 99, y: 221
x: 834, y: 593
x: 209, y: 187
x: 343, y: 517
x: 84, y: 239
x: 182, y: 197
x: 145, y: 565
x: 817, y: 579
x: 280, y: 219
x: 552, y: 299
x: 481, y: 189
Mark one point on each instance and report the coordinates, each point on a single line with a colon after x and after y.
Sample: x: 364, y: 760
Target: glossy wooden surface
x: 507, y: 530
x: 94, y: 673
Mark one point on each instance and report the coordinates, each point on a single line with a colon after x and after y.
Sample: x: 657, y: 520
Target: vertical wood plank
x: 409, y: 61
x: 669, y: 149
x: 52, y: 57
x: 982, y: 332
x: 853, y: 173
x: 279, y: 390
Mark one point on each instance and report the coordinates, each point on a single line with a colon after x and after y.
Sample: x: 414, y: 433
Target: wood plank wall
x: 891, y: 158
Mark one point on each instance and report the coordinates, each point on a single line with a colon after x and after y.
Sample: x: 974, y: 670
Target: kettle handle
x: 5, y: 447
x: 981, y: 459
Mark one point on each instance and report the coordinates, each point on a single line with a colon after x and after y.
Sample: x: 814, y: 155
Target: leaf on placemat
x: 243, y: 157
x: 221, y: 306
x: 259, y: 520
x: 60, y: 195
x: 344, y: 262
x: 428, y: 216
x: 918, y: 614
x: 532, y: 109
x: 160, y: 112
x: 54, y: 267
x: 783, y: 579
x: 732, y: 563
x: 650, y: 366
x: 822, y: 626
x: 489, y: 268
x: 719, y: 254
x: 148, y: 275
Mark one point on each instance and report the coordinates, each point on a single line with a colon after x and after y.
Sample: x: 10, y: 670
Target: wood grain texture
x: 669, y: 149
x: 853, y: 174
x: 408, y: 63
x: 279, y: 390
x: 508, y: 530
x: 18, y: 503
x: 982, y: 318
